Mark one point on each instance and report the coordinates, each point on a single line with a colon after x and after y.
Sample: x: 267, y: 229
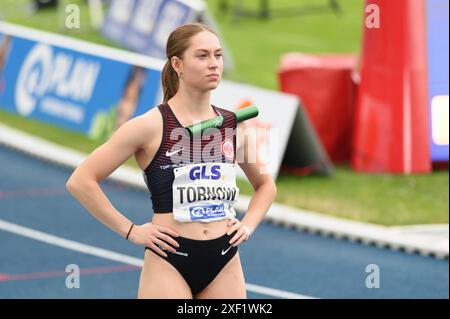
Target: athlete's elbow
x: 73, y: 183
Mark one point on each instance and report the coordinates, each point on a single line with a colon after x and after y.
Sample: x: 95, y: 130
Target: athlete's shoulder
x: 153, y: 114
x: 152, y: 117
x: 144, y: 126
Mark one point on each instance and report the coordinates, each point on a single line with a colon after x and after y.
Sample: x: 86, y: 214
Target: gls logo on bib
x: 200, y: 172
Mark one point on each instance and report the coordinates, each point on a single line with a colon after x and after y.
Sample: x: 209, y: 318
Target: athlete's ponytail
x: 169, y: 80
x: 177, y: 43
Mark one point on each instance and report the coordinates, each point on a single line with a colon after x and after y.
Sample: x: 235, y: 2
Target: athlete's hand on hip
x: 242, y: 232
x: 155, y: 237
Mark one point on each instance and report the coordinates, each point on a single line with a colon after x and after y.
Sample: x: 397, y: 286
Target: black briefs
x: 200, y: 261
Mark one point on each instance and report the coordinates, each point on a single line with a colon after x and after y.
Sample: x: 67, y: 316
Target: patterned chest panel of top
x: 216, y: 145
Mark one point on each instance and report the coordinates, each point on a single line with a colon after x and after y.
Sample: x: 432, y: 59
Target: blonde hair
x: 177, y: 44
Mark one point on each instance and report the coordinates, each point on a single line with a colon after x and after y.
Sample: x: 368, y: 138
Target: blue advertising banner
x: 145, y: 25
x: 70, y: 88
x: 438, y: 77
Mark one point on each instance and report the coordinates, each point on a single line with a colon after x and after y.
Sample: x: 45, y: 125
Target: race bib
x: 204, y: 192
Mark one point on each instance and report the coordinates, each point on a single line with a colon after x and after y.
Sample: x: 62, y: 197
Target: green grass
x: 15, y: 11
x: 381, y: 199
x: 256, y: 46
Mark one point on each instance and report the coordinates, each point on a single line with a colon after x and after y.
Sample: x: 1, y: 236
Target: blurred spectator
x: 106, y: 122
x: 130, y: 97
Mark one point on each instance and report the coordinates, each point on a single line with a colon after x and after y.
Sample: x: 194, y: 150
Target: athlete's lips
x: 214, y: 75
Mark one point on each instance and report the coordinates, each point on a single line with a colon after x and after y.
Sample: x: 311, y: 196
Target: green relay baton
x: 241, y: 115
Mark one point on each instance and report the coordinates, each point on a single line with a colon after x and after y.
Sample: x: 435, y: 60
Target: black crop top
x: 159, y: 174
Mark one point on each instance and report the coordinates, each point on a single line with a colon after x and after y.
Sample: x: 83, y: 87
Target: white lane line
x: 69, y: 244
x: 275, y: 292
x: 108, y: 254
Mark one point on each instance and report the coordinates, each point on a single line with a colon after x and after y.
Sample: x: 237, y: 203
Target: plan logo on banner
x: 47, y: 78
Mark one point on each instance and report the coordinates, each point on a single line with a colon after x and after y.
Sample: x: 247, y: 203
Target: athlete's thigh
x: 161, y: 280
x: 228, y: 284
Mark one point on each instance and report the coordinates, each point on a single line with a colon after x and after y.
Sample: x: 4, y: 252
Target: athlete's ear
x: 177, y: 64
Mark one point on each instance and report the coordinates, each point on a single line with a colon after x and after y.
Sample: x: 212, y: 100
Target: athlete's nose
x: 213, y: 64
x: 213, y: 67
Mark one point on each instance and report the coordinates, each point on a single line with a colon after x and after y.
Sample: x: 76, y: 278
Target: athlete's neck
x: 192, y: 105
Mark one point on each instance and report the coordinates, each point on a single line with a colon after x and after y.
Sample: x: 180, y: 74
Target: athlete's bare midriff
x: 192, y: 230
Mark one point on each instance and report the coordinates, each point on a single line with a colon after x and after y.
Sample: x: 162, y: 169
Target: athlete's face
x: 202, y: 63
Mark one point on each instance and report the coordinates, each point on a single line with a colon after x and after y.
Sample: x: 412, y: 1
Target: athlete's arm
x: 83, y: 184
x: 262, y: 181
